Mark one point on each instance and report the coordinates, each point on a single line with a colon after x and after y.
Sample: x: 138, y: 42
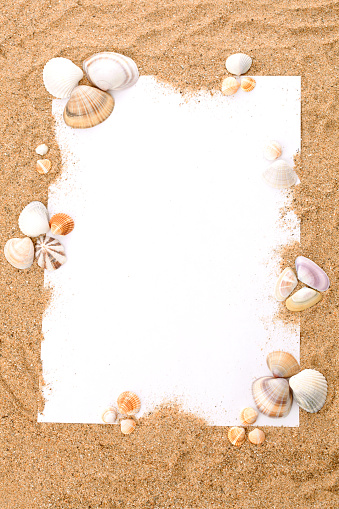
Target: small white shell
x: 33, y: 220
x: 111, y: 71
x: 238, y: 64
x: 110, y: 415
x: 303, y: 299
x: 280, y: 175
x: 309, y: 390
x: 272, y: 150
x: 285, y: 285
x: 61, y: 76
x: 41, y: 149
x: 19, y: 252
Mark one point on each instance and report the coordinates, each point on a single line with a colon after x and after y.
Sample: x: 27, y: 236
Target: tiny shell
x: 61, y: 224
x: 229, y: 86
x: 303, y: 299
x: 49, y: 252
x: 19, y: 252
x: 128, y: 403
x: 87, y: 107
x: 311, y: 274
x: 282, y: 364
x: 110, y: 415
x: 272, y: 150
x: 61, y: 76
x: 33, y: 220
x: 280, y: 175
x: 272, y: 396
x: 43, y: 166
x: 127, y: 426
x: 236, y: 436
x: 286, y: 283
x: 248, y: 416
x: 238, y: 64
x: 41, y: 149
x: 309, y: 390
x: 247, y: 84
x: 256, y: 436
x: 111, y: 71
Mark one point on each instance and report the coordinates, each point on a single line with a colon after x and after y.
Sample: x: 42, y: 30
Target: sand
x: 173, y: 460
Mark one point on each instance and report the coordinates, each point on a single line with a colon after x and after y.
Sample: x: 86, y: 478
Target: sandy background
x: 172, y: 460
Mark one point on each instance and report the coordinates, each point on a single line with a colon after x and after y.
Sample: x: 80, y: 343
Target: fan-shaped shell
x: 49, y: 252
x: 282, y: 364
x: 236, y: 436
x: 311, y: 274
x: 128, y: 403
x: 272, y: 150
x: 309, y: 390
x: 286, y: 283
x: 61, y: 76
x: 110, y: 415
x: 229, y: 86
x: 127, y: 426
x: 248, y: 416
x: 247, y: 84
x: 280, y: 175
x: 19, y: 252
x: 303, y: 299
x: 61, y: 224
x: 111, y: 71
x: 87, y: 107
x: 33, y: 220
x: 256, y: 436
x: 238, y: 64
x: 272, y: 396
x: 43, y: 166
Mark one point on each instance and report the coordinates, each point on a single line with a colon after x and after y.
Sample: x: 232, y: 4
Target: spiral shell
x: 127, y: 426
x: 238, y: 64
x: 33, y: 220
x: 247, y: 84
x: 311, y: 274
x: 19, y: 252
x: 87, y: 107
x: 128, y: 403
x: 309, y: 390
x: 272, y: 150
x: 61, y: 76
x: 49, y: 252
x: 280, y: 175
x: 256, y: 436
x: 43, y: 166
x: 303, y: 299
x: 286, y: 283
x: 229, y: 86
x: 272, y: 396
x: 111, y: 71
x: 236, y: 436
x: 110, y: 415
x: 61, y: 224
x: 282, y: 364
x: 248, y: 416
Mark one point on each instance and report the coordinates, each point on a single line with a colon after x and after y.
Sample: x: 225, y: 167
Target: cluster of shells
x: 279, y: 175
x: 128, y: 405
x: 237, y: 435
x: 88, y: 106
x: 237, y: 64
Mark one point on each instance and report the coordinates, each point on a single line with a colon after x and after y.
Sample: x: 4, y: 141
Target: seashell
x: 111, y: 71
x: 239, y: 63
x: 127, y: 426
x: 43, y: 166
x: 236, y: 436
x: 309, y: 390
x: 248, y: 416
x: 128, y: 403
x: 256, y: 436
x: 272, y: 396
x: 229, y: 86
x: 280, y: 175
x: 61, y: 76
x: 33, y: 220
x: 303, y: 299
x: 272, y: 150
x: 282, y: 364
x: 87, y: 107
x: 286, y: 283
x: 247, y: 84
x: 311, y: 274
x: 41, y: 149
x: 110, y: 415
x: 19, y: 252
x: 49, y: 252
x: 61, y: 224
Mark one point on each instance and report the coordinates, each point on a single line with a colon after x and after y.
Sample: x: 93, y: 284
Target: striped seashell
x: 311, y: 274
x: 236, y: 436
x: 61, y: 76
x: 87, y: 107
x: 49, y: 252
x: 127, y: 426
x: 238, y: 64
x: 286, y: 283
x: 309, y: 390
x: 61, y: 224
x: 282, y: 364
x: 19, y: 252
x: 111, y: 71
x: 303, y: 299
x: 110, y: 415
x: 272, y: 150
x: 41, y: 149
x: 43, y: 166
x: 256, y: 436
x: 247, y: 84
x: 248, y: 416
x: 229, y: 86
x: 33, y: 220
x: 280, y: 175
x: 272, y: 396
x: 128, y: 403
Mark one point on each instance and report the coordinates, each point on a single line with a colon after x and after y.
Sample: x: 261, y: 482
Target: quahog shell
x: 19, y: 252
x: 111, y: 71
x: 236, y: 436
x: 61, y: 76
x: 272, y: 396
x: 280, y: 175
x: 110, y: 415
x: 127, y: 426
x: 61, y: 224
x: 311, y: 274
x: 303, y: 299
x: 43, y: 166
x: 248, y: 416
x: 33, y: 220
x: 272, y: 150
x: 229, y: 86
x: 247, y: 84
x: 49, y: 252
x: 128, y: 403
x: 286, y: 283
x: 282, y: 364
x: 256, y: 436
x: 238, y: 63
x: 87, y: 107
x: 309, y: 390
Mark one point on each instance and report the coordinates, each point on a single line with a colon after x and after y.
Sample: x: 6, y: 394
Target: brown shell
x: 256, y: 436
x: 282, y: 364
x: 272, y: 396
x: 236, y: 436
x: 247, y: 84
x: 87, y: 107
x: 127, y: 426
x: 128, y: 403
x: 248, y: 416
x: 43, y: 166
x: 61, y: 224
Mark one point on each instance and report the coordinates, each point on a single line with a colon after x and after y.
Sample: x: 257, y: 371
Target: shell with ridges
x: 248, y: 416
x: 229, y: 86
x: 49, y: 252
x: 272, y: 396
x: 309, y: 390
x: 127, y: 426
x: 303, y: 299
x: 282, y: 364
x: 247, y: 84
x: 111, y: 71
x: 61, y: 224
x: 43, y: 166
x: 19, y: 252
x: 41, y: 149
x: 87, y: 107
x: 236, y: 436
x: 61, y: 76
x: 33, y: 220
x: 238, y: 64
x: 256, y: 436
x: 285, y: 285
x: 280, y: 175
x: 272, y: 150
x: 128, y: 403
x: 110, y: 415
x: 311, y: 274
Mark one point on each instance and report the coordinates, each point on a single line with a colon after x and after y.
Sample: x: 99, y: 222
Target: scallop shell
x: 19, y: 252
x: 61, y: 76
x: 247, y: 84
x: 41, y: 149
x: 33, y: 220
x: 238, y: 64
x: 256, y: 436
x: 87, y: 107
x: 43, y: 166
x: 282, y: 364
x: 272, y: 150
x: 236, y: 436
x: 127, y: 426
x: 111, y: 71
x: 61, y: 224
x: 280, y: 175
x: 229, y: 86
x: 110, y: 415
x: 128, y: 403
x: 309, y: 390
x: 248, y: 416
x: 49, y: 252
x: 272, y: 396
x: 303, y: 299
x: 286, y: 283
x: 311, y: 274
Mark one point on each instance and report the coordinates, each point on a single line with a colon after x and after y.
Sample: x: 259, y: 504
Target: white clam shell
x: 110, y: 415
x: 33, y: 220
x: 311, y: 274
x: 285, y: 285
x: 111, y: 71
x: 61, y: 76
x: 19, y: 252
x: 272, y: 150
x: 238, y: 64
x: 280, y: 175
x: 309, y: 390
x: 41, y: 149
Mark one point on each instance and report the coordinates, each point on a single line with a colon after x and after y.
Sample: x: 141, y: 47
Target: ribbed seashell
x: 87, y: 107
x: 33, y: 220
x: 229, y: 86
x: 309, y: 390
x: 247, y: 84
x: 286, y: 283
x: 248, y: 416
x: 110, y: 415
x: 111, y: 71
x: 280, y: 175
x: 127, y: 426
x: 61, y: 224
x: 238, y: 64
x: 272, y: 150
x: 61, y: 76
x: 236, y: 436
x: 303, y: 299
x: 19, y: 252
x: 49, y: 252
x: 282, y: 364
x: 41, y: 149
x: 43, y: 166
x: 128, y: 403
x: 272, y: 396
x: 256, y: 436
x: 311, y: 274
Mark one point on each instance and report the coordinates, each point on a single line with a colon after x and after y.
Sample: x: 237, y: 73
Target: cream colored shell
x: 41, y: 149
x: 229, y: 86
x: 33, y: 220
x: 236, y: 436
x: 256, y: 436
x: 238, y: 63
x: 19, y: 252
x: 303, y: 299
x: 272, y: 150
x: 43, y: 166
x: 110, y: 415
x: 248, y: 416
x: 282, y: 364
x: 309, y: 390
x: 61, y: 76
x: 127, y: 426
x: 285, y: 285
x: 111, y: 71
x: 280, y: 175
